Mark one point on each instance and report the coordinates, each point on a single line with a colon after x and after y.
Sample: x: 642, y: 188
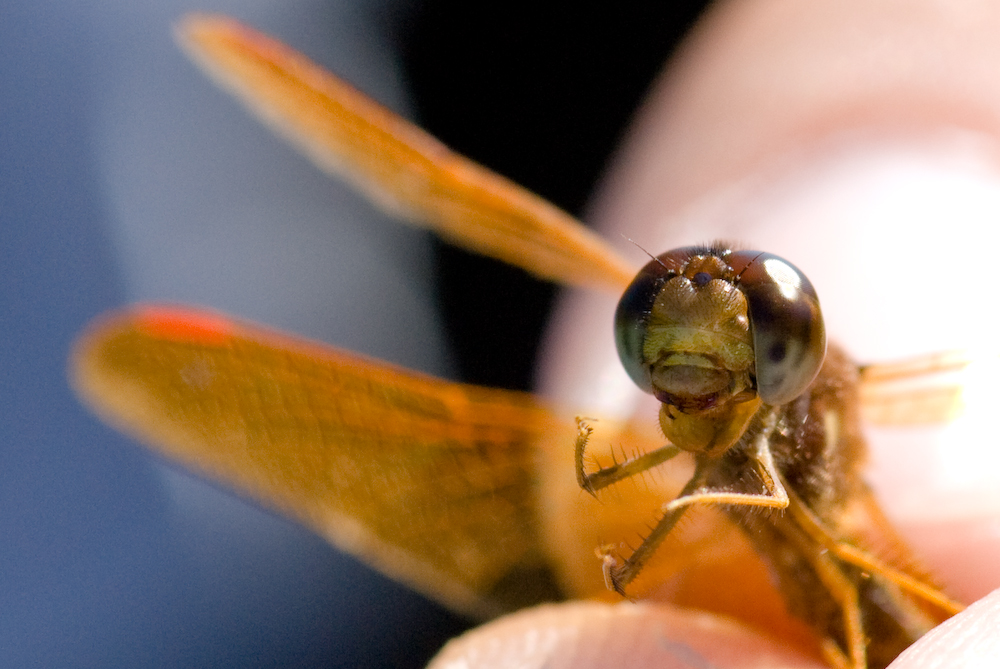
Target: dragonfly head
x: 712, y: 333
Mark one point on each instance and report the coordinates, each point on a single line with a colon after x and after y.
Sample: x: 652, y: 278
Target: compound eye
x: 789, y: 336
x: 635, y: 306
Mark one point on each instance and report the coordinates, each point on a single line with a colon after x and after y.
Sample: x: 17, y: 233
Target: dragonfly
x: 476, y: 497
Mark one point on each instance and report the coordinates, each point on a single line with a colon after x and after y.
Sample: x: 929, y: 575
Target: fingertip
x: 967, y: 640
x: 588, y: 635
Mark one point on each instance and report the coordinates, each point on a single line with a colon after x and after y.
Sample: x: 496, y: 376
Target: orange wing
x: 427, y: 480
x: 396, y: 164
x: 466, y: 494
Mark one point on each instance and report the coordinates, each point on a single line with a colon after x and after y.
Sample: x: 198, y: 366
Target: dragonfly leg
x: 617, y: 574
x: 606, y: 476
x: 851, y: 652
x: 620, y: 574
x: 867, y: 562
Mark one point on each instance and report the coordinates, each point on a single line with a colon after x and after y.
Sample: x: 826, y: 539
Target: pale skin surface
x: 767, y: 90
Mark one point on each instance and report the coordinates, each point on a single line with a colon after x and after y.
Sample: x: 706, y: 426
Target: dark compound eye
x: 635, y: 305
x: 789, y: 336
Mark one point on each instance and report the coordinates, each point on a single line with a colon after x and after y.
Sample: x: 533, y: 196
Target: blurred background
x: 127, y: 176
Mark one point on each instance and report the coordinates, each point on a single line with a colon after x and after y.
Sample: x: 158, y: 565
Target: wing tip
x: 182, y: 324
x: 195, y: 28
x: 215, y: 41
x: 162, y: 321
x: 207, y: 37
x: 87, y: 370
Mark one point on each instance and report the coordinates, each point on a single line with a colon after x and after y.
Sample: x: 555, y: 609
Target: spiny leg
x: 865, y: 561
x: 606, y: 476
x: 846, y: 595
x: 620, y: 574
x: 843, y: 591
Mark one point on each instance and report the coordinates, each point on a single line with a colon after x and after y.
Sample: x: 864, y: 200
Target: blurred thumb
x: 586, y: 635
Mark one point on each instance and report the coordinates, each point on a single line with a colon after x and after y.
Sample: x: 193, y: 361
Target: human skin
x: 860, y: 141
